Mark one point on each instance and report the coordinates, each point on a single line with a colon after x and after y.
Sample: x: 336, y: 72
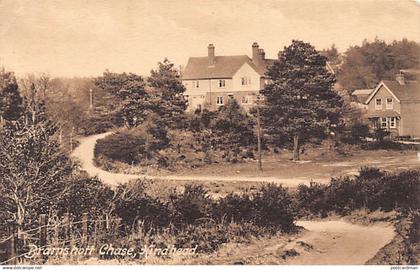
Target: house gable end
x: 381, y: 84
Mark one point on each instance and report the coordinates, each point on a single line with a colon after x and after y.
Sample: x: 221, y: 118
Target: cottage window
x: 384, y: 122
x: 392, y: 122
x: 222, y: 83
x: 196, y: 84
x: 245, y: 100
x: 378, y: 104
x: 219, y: 100
x: 245, y: 80
x: 389, y: 103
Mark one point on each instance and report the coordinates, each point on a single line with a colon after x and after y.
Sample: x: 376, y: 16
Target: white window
x: 245, y: 100
x: 245, y: 80
x: 196, y: 84
x: 378, y: 104
x: 389, y: 103
x: 222, y: 83
x: 392, y: 122
x: 219, y: 100
x: 384, y: 122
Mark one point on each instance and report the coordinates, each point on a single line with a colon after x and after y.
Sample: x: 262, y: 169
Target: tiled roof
x: 404, y: 92
x: 224, y: 67
x: 362, y: 94
x: 386, y: 113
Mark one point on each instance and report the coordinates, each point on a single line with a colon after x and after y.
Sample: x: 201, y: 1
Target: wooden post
x: 12, y: 244
x: 66, y: 228
x: 71, y: 139
x: 90, y: 99
x: 84, y: 228
x: 43, y: 233
x: 296, y: 147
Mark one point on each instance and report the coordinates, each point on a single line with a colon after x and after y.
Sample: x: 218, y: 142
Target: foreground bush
x: 372, y: 189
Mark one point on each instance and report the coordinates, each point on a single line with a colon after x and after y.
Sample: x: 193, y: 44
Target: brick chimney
x: 255, y: 53
x: 400, y: 78
x: 261, y: 54
x: 211, y: 55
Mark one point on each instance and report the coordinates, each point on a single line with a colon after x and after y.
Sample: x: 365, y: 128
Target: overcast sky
x: 85, y: 37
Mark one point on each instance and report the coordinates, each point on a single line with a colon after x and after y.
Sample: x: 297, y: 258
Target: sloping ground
x: 335, y: 242
x: 287, y: 173
x: 84, y: 153
x: 341, y: 242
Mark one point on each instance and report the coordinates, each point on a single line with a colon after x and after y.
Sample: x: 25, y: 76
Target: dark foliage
x: 372, y: 189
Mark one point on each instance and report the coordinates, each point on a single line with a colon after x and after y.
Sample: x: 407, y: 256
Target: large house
x: 395, y: 106
x: 210, y: 81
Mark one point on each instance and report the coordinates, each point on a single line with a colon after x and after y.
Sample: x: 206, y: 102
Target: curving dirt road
x: 84, y: 153
x: 333, y: 242
x: 341, y: 242
x: 324, y: 242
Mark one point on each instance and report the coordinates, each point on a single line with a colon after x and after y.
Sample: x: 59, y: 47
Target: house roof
x: 386, y: 113
x: 224, y: 67
x: 362, y: 94
x: 403, y: 92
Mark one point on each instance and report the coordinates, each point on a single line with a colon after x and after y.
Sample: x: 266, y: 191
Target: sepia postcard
x: 136, y: 133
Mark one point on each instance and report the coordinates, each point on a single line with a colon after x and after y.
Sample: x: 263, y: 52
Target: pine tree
x: 131, y: 102
x: 10, y: 99
x: 300, y: 102
x: 169, y: 101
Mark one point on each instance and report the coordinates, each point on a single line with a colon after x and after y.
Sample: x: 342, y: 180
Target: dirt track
x: 288, y: 174
x: 84, y: 153
x: 341, y: 242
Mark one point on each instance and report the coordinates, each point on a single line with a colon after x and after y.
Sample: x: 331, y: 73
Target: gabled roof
x: 362, y: 94
x: 402, y: 92
x: 224, y: 67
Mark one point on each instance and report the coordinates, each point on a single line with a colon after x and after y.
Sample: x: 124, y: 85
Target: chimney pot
x: 255, y: 52
x: 400, y: 78
x: 262, y: 54
x: 211, y: 54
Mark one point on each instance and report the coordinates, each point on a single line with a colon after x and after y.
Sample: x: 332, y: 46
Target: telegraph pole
x: 90, y: 99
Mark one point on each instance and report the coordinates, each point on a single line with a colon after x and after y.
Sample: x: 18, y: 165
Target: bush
x: 136, y: 145
x: 311, y: 200
x: 387, y: 145
x: 270, y: 207
x: 190, y: 206
x: 86, y: 195
x: 126, y: 146
x: 372, y: 189
x: 273, y: 208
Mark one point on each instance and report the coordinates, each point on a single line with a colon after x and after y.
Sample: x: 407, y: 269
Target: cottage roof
x: 409, y: 91
x: 224, y: 67
x: 362, y: 94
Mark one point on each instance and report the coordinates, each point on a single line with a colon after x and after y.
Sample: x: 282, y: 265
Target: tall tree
x: 232, y: 127
x: 170, y: 102
x: 34, y: 91
x: 33, y: 171
x: 11, y: 107
x: 131, y: 101
x: 300, y: 102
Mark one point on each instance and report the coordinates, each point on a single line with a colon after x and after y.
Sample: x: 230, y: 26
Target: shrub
x: 311, y: 199
x: 372, y: 189
x: 132, y: 204
x: 190, y: 206
x: 270, y: 207
x: 136, y: 145
x: 273, y: 207
x: 127, y: 146
x: 86, y: 195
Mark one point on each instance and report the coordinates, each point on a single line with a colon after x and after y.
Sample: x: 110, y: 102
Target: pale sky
x: 85, y: 37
